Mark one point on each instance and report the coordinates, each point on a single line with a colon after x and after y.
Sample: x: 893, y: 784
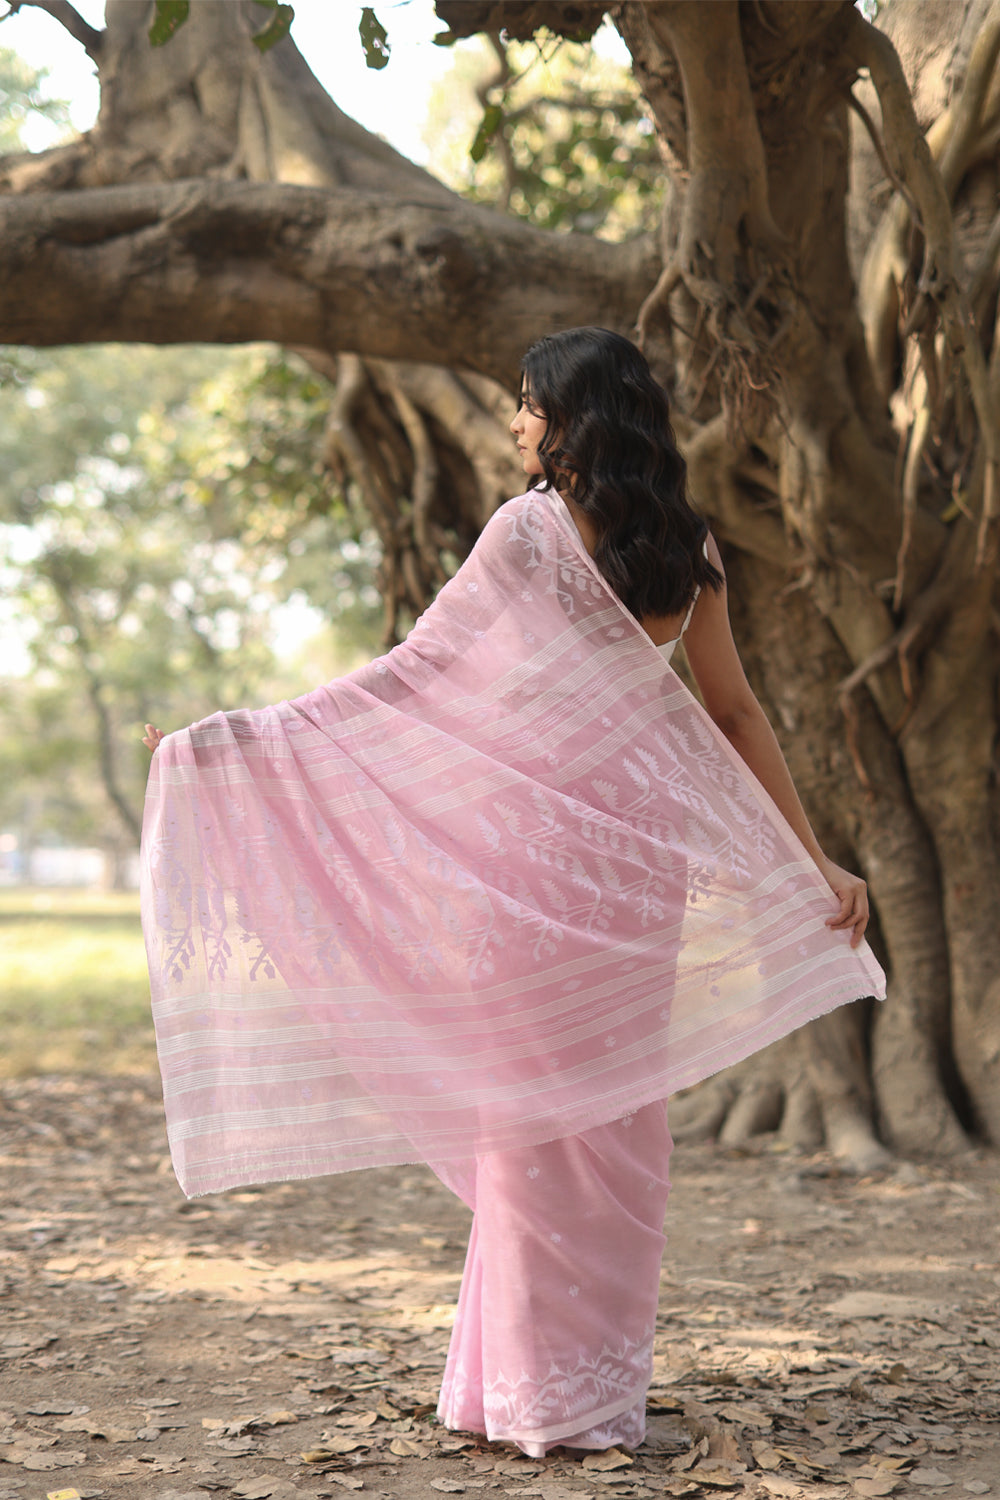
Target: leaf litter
x: 821, y: 1337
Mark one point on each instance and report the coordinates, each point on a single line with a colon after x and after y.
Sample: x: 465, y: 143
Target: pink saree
x: 482, y: 903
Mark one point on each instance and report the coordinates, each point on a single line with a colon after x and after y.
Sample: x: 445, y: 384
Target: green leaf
x: 488, y: 127
x: 170, y: 17
x: 277, y: 27
x: 444, y: 39
x: 374, y: 39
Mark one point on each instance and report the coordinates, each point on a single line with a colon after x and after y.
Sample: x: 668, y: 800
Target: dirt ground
x: 820, y: 1335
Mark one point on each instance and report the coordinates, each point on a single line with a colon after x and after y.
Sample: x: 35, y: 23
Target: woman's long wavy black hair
x: 609, y: 443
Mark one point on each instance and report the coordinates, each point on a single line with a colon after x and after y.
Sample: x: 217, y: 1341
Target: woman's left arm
x: 731, y: 703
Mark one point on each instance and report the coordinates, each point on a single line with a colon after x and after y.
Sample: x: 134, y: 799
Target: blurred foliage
x: 165, y: 525
x: 22, y: 98
x: 374, y: 41
x: 169, y: 16
x: 157, y: 510
x: 551, y: 131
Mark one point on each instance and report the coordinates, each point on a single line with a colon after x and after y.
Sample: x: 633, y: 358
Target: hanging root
x: 910, y: 160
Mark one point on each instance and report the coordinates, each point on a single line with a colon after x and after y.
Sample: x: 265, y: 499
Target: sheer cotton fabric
x: 500, y: 886
x: 553, y: 1336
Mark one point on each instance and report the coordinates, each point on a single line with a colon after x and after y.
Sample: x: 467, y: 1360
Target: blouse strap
x: 694, y: 596
x: 694, y: 601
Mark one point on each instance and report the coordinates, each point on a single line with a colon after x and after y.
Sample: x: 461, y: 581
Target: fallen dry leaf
x: 405, y: 1447
x: 94, y: 1427
x: 930, y: 1477
x: 716, y: 1479
x: 49, y: 1459
x: 887, y: 1305
x: 163, y: 1463
x: 448, y: 1486
x: 766, y: 1456
x: 872, y: 1489
x: 360, y: 1419
x: 784, y: 1489
x: 174, y: 1494
x: 614, y: 1458
x: 749, y: 1416
x: 334, y: 1447
x: 27, y: 1444
x: 346, y: 1481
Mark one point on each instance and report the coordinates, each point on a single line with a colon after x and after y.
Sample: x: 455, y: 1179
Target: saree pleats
x: 553, y: 1338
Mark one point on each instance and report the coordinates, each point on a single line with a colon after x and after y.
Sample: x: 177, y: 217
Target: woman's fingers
x: 853, y: 911
x: 852, y: 893
x: 152, y: 737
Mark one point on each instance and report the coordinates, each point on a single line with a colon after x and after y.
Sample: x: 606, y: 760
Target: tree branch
x: 60, y: 10
x: 230, y: 262
x: 728, y: 166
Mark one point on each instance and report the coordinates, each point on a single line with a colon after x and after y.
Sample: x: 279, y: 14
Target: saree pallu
x: 506, y: 884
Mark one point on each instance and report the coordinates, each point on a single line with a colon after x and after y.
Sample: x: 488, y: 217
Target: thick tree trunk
x: 917, y: 815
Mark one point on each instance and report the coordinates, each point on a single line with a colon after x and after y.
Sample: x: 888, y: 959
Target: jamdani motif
x: 497, y: 887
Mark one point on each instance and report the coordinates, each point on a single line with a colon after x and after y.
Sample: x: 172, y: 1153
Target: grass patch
x: 74, y: 992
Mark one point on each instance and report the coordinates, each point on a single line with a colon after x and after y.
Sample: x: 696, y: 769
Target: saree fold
x: 504, y: 884
x: 553, y: 1337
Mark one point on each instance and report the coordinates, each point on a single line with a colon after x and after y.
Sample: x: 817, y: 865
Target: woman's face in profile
x: 528, y: 428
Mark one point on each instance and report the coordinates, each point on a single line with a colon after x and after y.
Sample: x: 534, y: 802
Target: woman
x: 490, y: 900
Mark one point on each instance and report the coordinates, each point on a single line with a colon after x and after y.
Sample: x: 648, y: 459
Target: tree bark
x: 334, y: 270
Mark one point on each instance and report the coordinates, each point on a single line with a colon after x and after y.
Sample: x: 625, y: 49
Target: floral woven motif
x: 503, y: 884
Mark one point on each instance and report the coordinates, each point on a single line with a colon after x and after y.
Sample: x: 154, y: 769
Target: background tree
x: 551, y: 132
x: 145, y: 546
x: 822, y: 297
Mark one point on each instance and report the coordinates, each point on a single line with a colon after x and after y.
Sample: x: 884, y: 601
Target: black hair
x: 609, y: 443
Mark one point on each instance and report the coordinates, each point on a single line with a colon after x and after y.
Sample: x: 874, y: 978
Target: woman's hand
x: 152, y: 737
x: 852, y: 893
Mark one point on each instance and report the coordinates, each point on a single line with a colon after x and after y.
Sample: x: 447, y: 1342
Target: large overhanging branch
x: 225, y: 262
